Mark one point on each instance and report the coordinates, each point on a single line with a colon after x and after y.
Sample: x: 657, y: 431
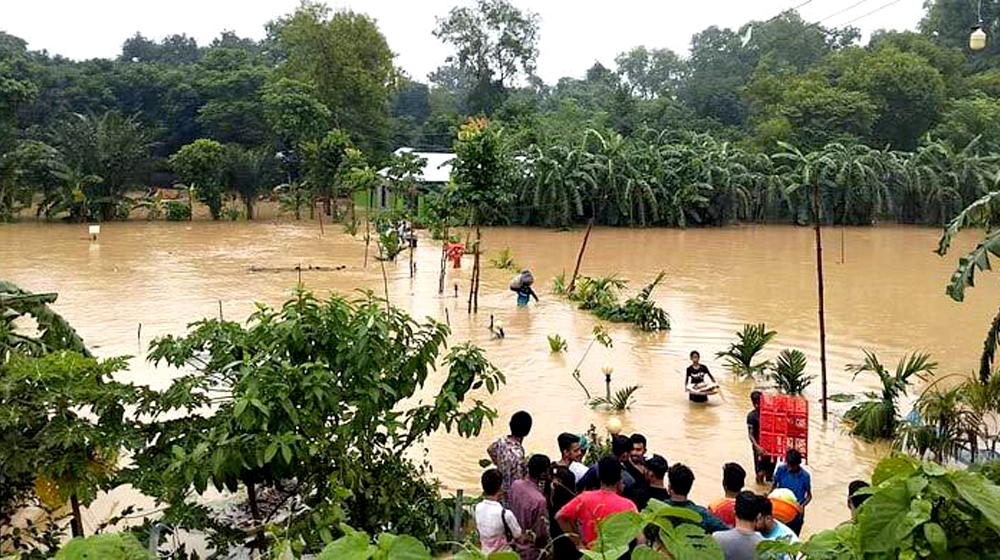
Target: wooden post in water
x: 321, y: 212
x: 819, y: 286
x: 220, y: 310
x: 456, y: 523
x: 579, y: 257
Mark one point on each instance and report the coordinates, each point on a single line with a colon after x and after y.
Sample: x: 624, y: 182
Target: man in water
x: 524, y: 293
x: 792, y: 476
x: 763, y: 464
x: 695, y: 375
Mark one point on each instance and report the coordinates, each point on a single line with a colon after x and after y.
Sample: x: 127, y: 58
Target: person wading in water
x: 694, y: 378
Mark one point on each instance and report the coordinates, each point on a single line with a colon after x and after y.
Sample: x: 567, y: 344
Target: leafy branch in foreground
x: 915, y: 510
x: 313, y: 393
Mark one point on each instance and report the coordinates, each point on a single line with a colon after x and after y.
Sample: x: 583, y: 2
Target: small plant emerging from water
x: 504, y: 261
x: 878, y: 417
x: 740, y: 355
x: 620, y: 401
x: 601, y: 337
x: 788, y: 372
x: 600, y: 295
x: 557, y: 344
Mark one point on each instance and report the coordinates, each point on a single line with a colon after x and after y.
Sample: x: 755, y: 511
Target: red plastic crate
x: 784, y: 424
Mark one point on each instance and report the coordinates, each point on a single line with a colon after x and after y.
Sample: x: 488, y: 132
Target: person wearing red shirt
x: 733, y: 478
x: 579, y: 518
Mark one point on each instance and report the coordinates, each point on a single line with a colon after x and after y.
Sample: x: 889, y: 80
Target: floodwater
x: 886, y: 295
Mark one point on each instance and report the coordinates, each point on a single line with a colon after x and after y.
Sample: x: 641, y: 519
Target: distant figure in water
x: 694, y: 379
x: 521, y: 284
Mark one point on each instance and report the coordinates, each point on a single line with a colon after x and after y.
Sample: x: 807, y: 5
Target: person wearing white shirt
x: 497, y: 525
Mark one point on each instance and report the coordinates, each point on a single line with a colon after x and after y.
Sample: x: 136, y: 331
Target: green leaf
x: 620, y: 529
x: 352, y: 546
x: 108, y: 546
x: 980, y: 493
x: 931, y: 468
x: 503, y: 556
x: 891, y: 467
x: 889, y: 516
x: 936, y: 537
x: 661, y: 509
x: 645, y: 553
x: 241, y: 405
x: 405, y: 547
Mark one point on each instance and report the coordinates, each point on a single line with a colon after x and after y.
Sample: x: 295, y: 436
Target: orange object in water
x: 455, y: 252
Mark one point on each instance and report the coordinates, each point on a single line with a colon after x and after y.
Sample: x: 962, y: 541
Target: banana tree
x: 878, y: 417
x: 983, y: 214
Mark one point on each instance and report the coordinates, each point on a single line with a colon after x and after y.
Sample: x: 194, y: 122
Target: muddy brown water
x: 887, y: 295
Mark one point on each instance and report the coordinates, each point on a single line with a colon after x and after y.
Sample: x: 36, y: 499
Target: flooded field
x: 886, y: 294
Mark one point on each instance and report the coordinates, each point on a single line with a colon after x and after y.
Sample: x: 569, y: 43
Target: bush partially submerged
x: 600, y: 295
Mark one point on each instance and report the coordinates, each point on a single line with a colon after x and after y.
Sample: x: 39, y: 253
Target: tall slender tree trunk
x: 579, y: 257
x: 444, y: 262
x: 76, y: 522
x: 474, y: 284
x: 258, y: 540
x: 248, y: 203
x: 819, y: 288
x: 326, y: 202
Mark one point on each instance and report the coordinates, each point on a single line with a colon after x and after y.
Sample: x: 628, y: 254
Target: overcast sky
x: 574, y: 33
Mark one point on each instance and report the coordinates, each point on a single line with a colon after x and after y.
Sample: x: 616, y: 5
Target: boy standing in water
x: 695, y: 375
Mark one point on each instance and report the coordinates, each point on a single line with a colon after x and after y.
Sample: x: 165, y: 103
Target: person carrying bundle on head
x: 521, y: 284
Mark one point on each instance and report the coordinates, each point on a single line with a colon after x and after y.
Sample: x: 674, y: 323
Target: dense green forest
x: 905, y: 127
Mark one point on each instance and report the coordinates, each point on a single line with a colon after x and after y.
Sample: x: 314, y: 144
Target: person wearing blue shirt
x: 792, y: 476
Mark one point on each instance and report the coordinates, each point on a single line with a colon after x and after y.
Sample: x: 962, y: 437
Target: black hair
x: 694, y: 353
x: 492, y: 481
x: 793, y: 457
x: 681, y: 479
x: 764, y: 506
x: 609, y: 470
x: 638, y: 438
x: 747, y: 507
x: 620, y: 445
x: 852, y: 488
x: 755, y: 396
x: 657, y: 465
x: 733, y: 477
x: 538, y: 464
x: 561, y: 489
x: 566, y: 440
x: 520, y: 424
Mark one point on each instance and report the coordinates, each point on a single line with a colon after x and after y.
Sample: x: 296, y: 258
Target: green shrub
x: 557, y: 344
x: 178, y: 212
x: 740, y: 355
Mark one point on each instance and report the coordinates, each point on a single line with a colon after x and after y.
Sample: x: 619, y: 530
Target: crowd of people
x: 542, y: 508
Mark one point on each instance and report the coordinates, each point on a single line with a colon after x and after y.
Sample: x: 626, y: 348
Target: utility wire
x: 876, y: 10
x: 838, y: 12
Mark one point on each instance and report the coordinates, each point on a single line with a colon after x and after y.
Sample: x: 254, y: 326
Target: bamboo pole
x: 579, y: 257
x: 444, y: 262
x: 819, y: 287
x: 321, y: 232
